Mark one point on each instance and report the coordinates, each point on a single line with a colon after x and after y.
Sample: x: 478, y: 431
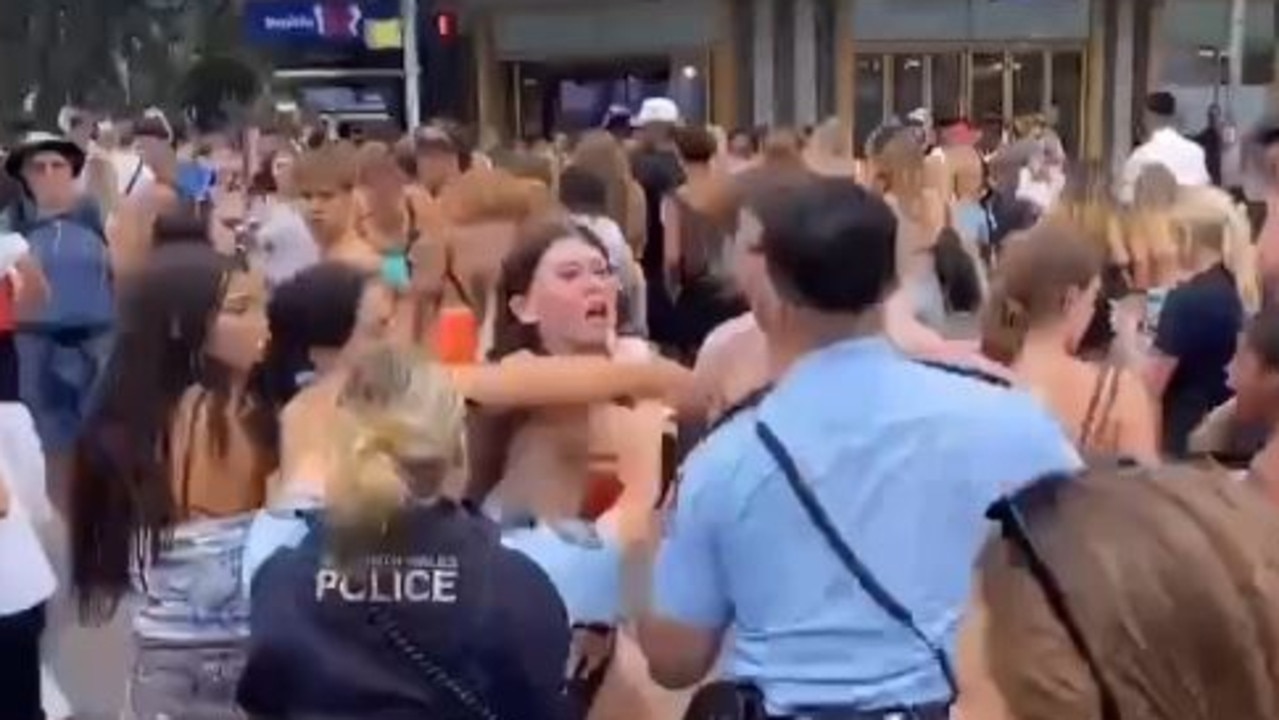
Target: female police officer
x: 832, y: 526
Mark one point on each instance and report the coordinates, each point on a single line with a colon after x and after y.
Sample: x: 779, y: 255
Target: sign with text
x: 326, y: 22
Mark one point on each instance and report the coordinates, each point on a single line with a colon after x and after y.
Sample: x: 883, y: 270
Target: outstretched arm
x: 529, y: 380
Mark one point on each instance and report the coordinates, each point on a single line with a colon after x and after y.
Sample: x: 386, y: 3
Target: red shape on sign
x: 339, y: 20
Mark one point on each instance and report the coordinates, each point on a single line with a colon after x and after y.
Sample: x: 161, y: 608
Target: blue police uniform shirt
x: 272, y: 530
x: 585, y: 567
x: 905, y: 458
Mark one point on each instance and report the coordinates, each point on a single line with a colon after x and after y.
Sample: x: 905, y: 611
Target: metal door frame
x: 1047, y: 49
x: 672, y: 63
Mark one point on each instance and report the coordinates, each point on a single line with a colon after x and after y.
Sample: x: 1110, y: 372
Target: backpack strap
x: 848, y: 557
x: 1100, y: 405
x: 133, y: 181
x: 968, y: 372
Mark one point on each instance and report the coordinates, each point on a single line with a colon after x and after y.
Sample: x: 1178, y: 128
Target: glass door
x: 870, y: 98
x: 1029, y: 86
x: 908, y: 84
x: 986, y: 87
x: 571, y: 97
x: 989, y: 86
x: 1066, y: 105
x: 946, y: 80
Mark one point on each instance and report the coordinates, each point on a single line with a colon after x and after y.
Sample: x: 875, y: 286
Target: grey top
x: 284, y: 244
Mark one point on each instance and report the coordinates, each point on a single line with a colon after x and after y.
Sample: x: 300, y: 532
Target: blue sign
x: 315, y: 22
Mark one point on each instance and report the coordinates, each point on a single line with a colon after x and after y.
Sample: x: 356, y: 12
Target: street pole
x: 1238, y: 36
x: 1233, y: 160
x: 412, y: 66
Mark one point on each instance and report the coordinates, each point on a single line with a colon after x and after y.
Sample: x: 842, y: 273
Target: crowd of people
x: 654, y: 422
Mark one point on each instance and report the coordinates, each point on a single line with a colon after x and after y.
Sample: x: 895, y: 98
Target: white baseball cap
x: 657, y: 110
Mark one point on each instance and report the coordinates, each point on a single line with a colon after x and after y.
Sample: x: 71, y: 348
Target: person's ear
x: 523, y: 309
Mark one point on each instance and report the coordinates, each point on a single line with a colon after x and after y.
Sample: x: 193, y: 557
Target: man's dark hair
x: 830, y: 245
x: 1161, y: 104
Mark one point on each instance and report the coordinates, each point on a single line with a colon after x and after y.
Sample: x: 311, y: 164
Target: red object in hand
x: 602, y: 492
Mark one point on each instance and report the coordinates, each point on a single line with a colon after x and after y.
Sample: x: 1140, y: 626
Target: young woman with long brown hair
x: 172, y: 463
x: 1042, y: 301
x: 564, y: 478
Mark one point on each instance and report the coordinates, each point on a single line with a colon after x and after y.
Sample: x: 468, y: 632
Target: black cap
x: 1161, y: 104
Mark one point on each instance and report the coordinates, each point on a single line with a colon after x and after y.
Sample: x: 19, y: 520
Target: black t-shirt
x: 659, y: 173
x: 485, y: 614
x: 1199, y: 326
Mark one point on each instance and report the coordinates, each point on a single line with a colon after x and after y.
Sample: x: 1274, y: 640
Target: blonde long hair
x: 400, y: 434
x: 1147, y: 231
x: 1208, y: 218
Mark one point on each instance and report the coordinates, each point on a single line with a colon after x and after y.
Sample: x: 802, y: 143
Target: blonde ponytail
x: 366, y: 487
x: 401, y: 435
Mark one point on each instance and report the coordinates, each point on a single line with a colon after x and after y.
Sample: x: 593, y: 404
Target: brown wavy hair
x: 1172, y: 577
x: 1037, y: 270
x: 599, y: 153
x: 481, y: 195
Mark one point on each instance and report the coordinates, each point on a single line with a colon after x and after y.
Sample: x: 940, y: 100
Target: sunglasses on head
x: 1016, y: 514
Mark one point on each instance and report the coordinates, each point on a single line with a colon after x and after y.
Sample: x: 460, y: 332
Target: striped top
x: 191, y: 592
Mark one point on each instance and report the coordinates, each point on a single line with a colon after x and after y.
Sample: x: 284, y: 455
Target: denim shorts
x: 187, y: 681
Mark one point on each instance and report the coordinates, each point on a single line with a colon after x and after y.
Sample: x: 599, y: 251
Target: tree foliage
x: 112, y: 54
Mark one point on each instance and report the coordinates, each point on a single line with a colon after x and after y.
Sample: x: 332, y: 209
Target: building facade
x: 534, y: 67
x: 742, y: 63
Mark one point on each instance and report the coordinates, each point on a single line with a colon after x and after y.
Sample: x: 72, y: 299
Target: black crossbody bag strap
x: 437, y: 676
x: 869, y: 583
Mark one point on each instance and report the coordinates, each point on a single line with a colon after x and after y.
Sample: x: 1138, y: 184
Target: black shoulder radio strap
x: 847, y: 557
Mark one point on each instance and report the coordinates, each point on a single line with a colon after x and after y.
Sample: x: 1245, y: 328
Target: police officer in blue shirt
x: 900, y: 460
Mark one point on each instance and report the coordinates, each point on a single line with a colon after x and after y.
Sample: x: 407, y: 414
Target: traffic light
x: 443, y: 56
x: 446, y: 26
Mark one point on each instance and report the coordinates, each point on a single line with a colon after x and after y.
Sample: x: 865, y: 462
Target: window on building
x: 868, y: 103
x: 908, y: 83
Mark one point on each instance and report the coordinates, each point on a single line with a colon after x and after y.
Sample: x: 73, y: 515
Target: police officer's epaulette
x: 968, y: 372
x: 746, y: 403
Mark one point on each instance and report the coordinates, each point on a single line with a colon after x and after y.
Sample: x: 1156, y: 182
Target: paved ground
x: 89, y: 665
